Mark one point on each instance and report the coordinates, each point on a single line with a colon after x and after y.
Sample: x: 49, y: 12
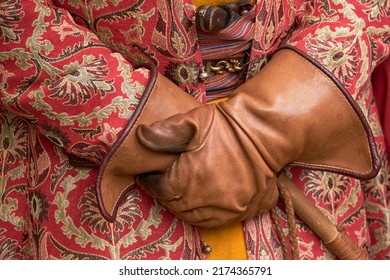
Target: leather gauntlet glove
x: 127, y: 158
x: 291, y: 112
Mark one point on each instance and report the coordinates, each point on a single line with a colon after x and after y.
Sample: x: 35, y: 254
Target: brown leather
x: 296, y: 114
x: 291, y: 112
x: 129, y: 158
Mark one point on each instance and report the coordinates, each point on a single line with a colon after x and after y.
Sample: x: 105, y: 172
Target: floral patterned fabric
x: 70, y: 81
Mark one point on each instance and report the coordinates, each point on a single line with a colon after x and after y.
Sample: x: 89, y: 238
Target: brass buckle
x: 231, y: 65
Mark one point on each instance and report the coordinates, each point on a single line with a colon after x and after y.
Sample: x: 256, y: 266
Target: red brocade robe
x: 70, y: 81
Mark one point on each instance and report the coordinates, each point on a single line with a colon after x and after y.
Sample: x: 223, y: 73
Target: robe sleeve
x: 64, y: 81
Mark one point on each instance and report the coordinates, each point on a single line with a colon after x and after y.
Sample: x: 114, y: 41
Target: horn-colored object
x: 213, y: 18
x: 334, y: 237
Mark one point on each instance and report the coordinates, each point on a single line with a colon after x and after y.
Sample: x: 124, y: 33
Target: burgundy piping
x: 375, y: 159
x: 126, y: 131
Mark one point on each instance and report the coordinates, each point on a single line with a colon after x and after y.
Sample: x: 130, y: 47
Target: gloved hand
x: 231, y: 152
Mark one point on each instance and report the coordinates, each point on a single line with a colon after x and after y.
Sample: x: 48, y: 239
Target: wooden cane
x: 334, y: 237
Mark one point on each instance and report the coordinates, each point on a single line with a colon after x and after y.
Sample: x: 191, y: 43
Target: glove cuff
x: 128, y: 157
x: 297, y: 113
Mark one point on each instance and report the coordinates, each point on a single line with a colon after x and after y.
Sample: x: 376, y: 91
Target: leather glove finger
x: 155, y: 185
x: 182, y: 205
x: 172, y: 135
